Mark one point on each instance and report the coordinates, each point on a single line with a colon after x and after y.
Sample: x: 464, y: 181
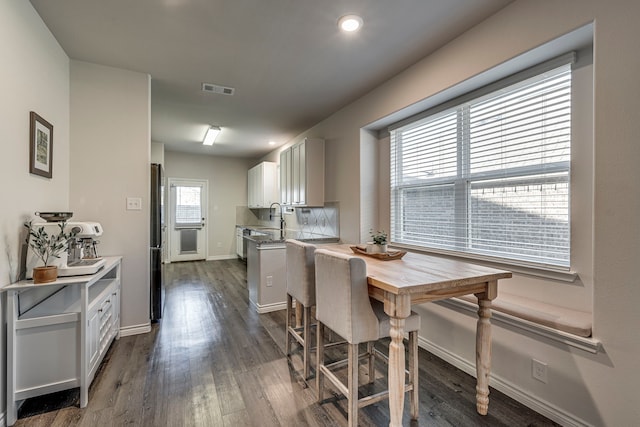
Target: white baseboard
x: 268, y: 308
x: 221, y: 257
x: 3, y: 419
x: 211, y: 258
x: 126, y: 331
x: 510, y: 389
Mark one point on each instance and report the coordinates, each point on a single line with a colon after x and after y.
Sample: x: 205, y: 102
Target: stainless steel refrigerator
x: 157, y: 226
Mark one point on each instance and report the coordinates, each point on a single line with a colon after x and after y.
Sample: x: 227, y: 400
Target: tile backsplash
x: 322, y: 221
x: 309, y: 222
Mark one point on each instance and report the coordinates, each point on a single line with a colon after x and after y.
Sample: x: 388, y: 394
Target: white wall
x: 227, y: 189
x: 34, y: 76
x: 583, y: 388
x: 110, y: 156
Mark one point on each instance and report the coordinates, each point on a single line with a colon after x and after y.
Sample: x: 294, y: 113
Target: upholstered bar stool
x: 343, y: 305
x: 301, y: 286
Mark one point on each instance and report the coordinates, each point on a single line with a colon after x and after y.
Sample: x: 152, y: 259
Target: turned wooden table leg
x: 398, y: 307
x: 483, y: 347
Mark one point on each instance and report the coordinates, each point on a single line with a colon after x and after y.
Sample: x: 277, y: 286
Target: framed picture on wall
x: 40, y: 146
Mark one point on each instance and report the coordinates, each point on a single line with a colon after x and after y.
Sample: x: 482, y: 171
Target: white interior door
x: 187, y: 219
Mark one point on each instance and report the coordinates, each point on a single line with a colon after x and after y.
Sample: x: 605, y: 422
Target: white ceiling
x: 286, y: 59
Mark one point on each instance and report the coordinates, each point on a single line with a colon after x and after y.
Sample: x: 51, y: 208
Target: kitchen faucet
x: 282, y: 223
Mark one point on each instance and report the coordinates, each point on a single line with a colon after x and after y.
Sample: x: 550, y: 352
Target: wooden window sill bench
x: 569, y: 326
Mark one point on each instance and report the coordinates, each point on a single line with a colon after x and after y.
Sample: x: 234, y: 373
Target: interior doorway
x: 187, y: 219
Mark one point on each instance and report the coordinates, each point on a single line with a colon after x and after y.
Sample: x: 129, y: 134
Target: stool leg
x: 288, y: 325
x: 319, y: 360
x: 413, y: 373
x: 298, y: 314
x: 306, y: 321
x: 372, y: 359
x: 353, y: 385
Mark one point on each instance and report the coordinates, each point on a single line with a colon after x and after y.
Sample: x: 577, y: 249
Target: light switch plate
x: 134, y: 204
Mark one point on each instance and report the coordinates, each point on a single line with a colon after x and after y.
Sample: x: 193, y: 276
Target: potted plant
x: 47, y: 247
x: 379, y: 243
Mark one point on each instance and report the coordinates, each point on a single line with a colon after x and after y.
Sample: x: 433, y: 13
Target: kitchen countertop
x: 270, y: 235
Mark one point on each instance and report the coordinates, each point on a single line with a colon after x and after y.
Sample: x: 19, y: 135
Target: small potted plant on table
x: 379, y: 244
x: 47, y: 247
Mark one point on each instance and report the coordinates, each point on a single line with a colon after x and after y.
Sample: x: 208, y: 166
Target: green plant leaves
x: 47, y: 246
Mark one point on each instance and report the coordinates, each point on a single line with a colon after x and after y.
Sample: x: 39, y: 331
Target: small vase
x: 374, y: 248
x: 45, y: 274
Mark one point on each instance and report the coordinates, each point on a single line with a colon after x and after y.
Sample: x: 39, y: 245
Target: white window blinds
x: 489, y: 176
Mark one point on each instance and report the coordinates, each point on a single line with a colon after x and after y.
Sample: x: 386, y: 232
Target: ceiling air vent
x: 222, y: 90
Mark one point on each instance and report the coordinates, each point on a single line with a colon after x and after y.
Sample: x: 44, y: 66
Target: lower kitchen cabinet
x: 59, y: 332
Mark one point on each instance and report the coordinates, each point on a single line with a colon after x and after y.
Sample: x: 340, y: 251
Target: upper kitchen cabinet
x: 302, y: 173
x: 263, y: 185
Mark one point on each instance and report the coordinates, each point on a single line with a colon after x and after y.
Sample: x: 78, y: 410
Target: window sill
x: 559, y: 274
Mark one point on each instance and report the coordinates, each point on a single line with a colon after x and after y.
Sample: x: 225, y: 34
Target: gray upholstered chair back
x: 342, y: 297
x: 301, y: 279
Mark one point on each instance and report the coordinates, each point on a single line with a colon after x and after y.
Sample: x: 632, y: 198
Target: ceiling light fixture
x: 350, y: 23
x: 211, y: 135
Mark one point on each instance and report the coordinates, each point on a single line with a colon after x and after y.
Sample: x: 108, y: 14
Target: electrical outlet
x: 269, y: 280
x: 134, y: 204
x: 539, y: 370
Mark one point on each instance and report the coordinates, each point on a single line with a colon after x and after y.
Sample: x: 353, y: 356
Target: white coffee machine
x: 81, y: 256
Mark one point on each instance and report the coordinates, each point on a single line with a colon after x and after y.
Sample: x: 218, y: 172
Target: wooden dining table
x: 416, y: 279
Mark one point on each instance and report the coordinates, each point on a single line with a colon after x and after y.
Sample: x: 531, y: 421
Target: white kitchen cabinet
x: 59, y: 332
x: 302, y: 173
x: 263, y: 185
x: 285, y: 177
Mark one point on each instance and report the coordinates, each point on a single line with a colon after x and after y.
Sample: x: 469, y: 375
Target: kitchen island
x: 266, y: 266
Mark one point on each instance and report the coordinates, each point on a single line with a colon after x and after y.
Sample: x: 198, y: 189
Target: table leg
x: 398, y: 307
x: 483, y: 349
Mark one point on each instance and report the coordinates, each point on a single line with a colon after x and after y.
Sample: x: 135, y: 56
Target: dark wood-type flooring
x: 213, y: 361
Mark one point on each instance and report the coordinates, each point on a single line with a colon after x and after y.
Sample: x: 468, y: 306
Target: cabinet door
x: 295, y: 174
x: 299, y: 173
x: 115, y: 306
x: 93, y: 339
x: 252, y: 190
x: 269, y: 184
x: 263, y: 185
x: 239, y: 238
x: 285, y: 177
x: 308, y: 172
x: 302, y: 174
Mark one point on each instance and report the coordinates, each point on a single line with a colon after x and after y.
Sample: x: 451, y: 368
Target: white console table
x: 59, y: 332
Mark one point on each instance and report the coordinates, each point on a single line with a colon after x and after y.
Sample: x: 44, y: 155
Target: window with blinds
x: 489, y: 177
x: 188, y: 206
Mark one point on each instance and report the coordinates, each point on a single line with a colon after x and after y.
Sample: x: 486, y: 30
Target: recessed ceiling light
x: 350, y: 23
x: 272, y: 143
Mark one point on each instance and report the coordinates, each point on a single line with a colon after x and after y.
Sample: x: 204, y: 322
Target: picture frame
x: 40, y: 146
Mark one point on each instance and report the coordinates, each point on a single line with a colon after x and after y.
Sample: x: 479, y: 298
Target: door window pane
x: 188, y: 206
